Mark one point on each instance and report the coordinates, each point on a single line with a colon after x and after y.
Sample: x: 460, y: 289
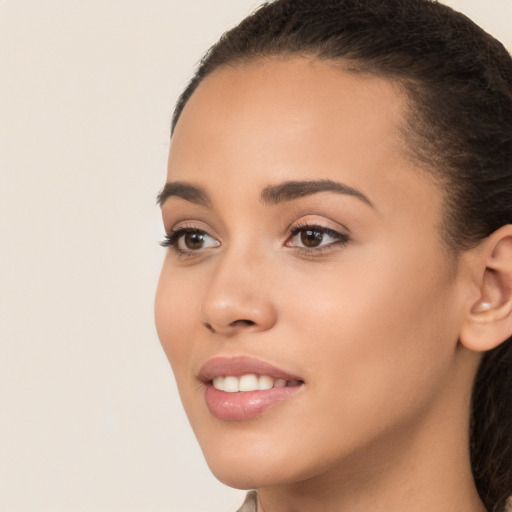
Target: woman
x: 336, y: 297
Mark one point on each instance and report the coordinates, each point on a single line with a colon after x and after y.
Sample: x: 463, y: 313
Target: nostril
x: 241, y: 323
x: 230, y: 328
x: 209, y: 326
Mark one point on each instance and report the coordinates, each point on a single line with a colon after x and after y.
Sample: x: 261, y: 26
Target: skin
x: 371, y: 325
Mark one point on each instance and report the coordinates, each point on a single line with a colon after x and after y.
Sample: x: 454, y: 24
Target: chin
x: 236, y: 480
x: 251, y: 474
x: 243, y: 467
x: 263, y: 462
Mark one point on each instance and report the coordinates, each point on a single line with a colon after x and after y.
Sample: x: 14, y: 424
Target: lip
x: 242, y: 365
x: 249, y: 404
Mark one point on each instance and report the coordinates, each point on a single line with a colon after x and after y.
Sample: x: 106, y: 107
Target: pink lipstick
x: 241, y: 388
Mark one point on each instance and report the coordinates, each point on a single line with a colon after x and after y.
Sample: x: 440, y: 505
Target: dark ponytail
x: 459, y: 81
x: 491, y: 427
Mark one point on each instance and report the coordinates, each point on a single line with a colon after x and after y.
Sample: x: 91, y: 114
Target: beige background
x: 89, y: 416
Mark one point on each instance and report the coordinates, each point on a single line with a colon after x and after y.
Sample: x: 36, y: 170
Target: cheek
x: 176, y: 314
x: 379, y: 330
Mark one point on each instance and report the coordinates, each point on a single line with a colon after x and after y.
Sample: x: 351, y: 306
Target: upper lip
x: 242, y: 365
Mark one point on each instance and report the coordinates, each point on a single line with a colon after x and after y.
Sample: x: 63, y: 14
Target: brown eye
x: 311, y: 238
x: 315, y: 238
x: 194, y: 240
x: 189, y: 240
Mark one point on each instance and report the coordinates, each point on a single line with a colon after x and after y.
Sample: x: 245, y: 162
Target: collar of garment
x: 250, y: 504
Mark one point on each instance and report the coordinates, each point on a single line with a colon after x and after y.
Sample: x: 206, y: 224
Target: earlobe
x: 488, y: 322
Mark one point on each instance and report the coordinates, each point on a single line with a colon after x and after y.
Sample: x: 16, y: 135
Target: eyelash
x: 341, y: 239
x: 172, y: 239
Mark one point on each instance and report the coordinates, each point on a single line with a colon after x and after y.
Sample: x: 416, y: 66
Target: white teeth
x: 265, y: 382
x: 231, y: 384
x: 218, y: 383
x: 249, y: 382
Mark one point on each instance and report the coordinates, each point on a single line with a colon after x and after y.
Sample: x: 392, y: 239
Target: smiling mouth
x: 250, y: 382
x: 242, y: 388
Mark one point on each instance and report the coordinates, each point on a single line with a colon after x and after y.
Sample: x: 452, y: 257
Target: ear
x: 488, y: 321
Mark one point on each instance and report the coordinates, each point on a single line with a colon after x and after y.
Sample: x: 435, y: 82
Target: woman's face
x: 304, y: 247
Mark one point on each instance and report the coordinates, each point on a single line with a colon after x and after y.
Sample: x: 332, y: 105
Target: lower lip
x: 245, y: 405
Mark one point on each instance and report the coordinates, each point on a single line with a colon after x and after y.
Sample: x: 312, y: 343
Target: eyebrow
x: 271, y: 195
x: 290, y: 190
x: 186, y: 191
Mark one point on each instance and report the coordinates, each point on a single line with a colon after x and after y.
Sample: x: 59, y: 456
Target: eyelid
x: 191, y: 225
x: 340, y: 237
x: 320, y: 222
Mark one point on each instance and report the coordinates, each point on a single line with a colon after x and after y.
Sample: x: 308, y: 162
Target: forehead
x: 272, y: 104
x: 256, y: 124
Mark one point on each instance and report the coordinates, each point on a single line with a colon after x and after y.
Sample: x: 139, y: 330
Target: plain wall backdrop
x: 89, y: 416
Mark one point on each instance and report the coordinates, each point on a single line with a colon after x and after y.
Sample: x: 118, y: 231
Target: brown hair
x: 459, y: 81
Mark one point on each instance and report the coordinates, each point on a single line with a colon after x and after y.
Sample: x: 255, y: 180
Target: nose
x: 238, y: 298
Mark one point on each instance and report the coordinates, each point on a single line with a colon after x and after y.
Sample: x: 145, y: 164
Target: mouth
x: 250, y: 382
x: 242, y: 388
